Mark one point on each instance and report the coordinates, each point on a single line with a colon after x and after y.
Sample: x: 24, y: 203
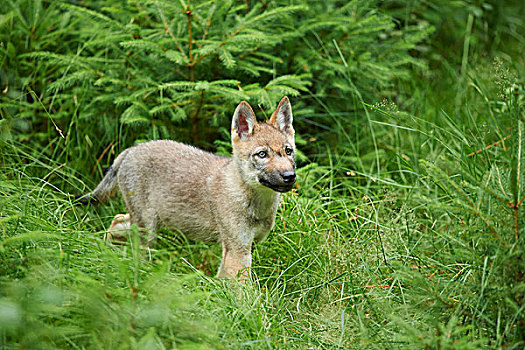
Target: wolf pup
x: 209, y: 197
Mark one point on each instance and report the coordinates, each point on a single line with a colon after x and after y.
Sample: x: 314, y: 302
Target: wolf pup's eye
x: 261, y: 154
x: 288, y: 151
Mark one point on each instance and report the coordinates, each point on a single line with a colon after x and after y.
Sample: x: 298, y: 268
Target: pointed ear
x: 243, y: 121
x: 282, y: 117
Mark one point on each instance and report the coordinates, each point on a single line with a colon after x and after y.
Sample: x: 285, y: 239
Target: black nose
x: 288, y: 177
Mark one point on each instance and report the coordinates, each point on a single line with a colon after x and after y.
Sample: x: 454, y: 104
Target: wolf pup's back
x: 165, y: 184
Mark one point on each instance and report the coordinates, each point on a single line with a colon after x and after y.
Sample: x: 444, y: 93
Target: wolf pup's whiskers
x: 209, y: 197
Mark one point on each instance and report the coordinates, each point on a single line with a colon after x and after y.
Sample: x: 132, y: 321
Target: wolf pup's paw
x: 119, y: 228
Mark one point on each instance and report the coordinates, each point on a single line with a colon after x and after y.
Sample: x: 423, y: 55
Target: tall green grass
x: 406, y: 229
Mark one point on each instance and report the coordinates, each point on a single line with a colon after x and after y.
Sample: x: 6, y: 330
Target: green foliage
x: 176, y: 70
x: 461, y: 245
x: 468, y: 34
x: 406, y: 229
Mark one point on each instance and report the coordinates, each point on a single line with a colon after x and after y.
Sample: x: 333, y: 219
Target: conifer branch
x: 521, y: 201
x: 490, y: 146
x: 191, y: 64
x: 168, y: 30
x: 207, y: 30
x: 195, y: 119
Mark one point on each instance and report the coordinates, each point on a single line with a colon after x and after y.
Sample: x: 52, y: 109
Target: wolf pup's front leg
x: 262, y: 167
x: 235, y: 262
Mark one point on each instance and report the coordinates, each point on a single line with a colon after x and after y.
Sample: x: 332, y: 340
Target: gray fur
x: 108, y: 186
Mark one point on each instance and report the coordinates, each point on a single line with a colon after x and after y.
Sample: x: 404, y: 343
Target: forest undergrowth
x: 406, y: 226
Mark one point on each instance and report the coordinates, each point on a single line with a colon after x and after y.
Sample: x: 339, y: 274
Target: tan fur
x: 208, y: 197
x: 118, y: 231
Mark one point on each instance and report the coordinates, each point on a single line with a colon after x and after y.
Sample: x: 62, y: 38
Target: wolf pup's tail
x: 107, y: 187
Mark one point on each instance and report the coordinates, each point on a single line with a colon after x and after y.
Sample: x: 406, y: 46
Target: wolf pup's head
x: 265, y: 153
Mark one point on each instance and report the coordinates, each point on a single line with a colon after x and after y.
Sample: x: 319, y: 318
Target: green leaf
x: 28, y: 237
x: 226, y: 58
x: 176, y: 57
x: 517, y: 158
x: 134, y: 115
